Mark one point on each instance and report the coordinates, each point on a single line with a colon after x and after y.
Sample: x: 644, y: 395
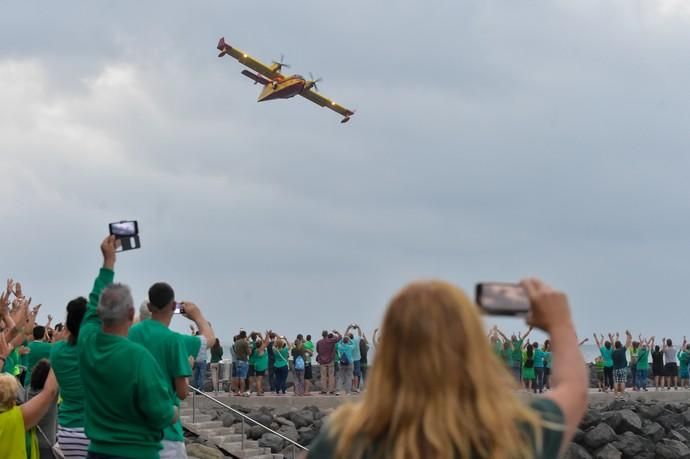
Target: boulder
x: 676, y: 407
x: 612, y: 418
x: 229, y: 419
x: 631, y: 445
x: 284, y: 422
x: 653, y: 432
x: 672, y: 449
x: 579, y: 436
x: 608, y: 452
x: 299, y: 419
x: 273, y: 441
x: 591, y: 418
x: 599, y: 436
x: 260, y: 417
x: 685, y: 432
x: 289, y: 432
x: 671, y: 421
x: 630, y: 422
x: 576, y: 451
x: 675, y: 435
x: 686, y: 417
x: 255, y: 432
x: 650, y: 411
x: 306, y: 436
x: 203, y: 452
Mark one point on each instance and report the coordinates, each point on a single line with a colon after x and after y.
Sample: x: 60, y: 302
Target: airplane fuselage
x: 284, y: 89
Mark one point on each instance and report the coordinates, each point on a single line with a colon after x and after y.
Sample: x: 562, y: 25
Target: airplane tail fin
x: 222, y: 46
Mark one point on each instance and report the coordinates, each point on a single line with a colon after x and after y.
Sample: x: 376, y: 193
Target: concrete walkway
x: 330, y: 402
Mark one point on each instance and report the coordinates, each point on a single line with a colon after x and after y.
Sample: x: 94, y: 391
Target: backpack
x: 299, y: 363
x: 343, y: 359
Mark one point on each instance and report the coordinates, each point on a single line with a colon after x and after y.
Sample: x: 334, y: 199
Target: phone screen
x: 502, y: 298
x: 124, y: 229
x: 179, y: 308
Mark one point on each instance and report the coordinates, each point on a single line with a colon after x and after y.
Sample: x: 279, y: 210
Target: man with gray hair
x: 126, y: 399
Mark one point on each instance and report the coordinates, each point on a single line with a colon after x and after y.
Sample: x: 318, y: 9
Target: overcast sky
x: 493, y: 140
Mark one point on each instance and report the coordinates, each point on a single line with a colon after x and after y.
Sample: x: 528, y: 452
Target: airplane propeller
x: 312, y: 82
x: 280, y: 63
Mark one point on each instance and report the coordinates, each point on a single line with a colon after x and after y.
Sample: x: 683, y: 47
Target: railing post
x: 193, y: 407
x: 242, y: 433
x: 293, y: 452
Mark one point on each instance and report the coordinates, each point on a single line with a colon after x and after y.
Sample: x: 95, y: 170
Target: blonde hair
x: 8, y: 392
x: 436, y: 389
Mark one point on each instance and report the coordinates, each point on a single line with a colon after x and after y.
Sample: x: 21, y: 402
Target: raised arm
x: 91, y: 322
x: 582, y: 342
x: 500, y: 333
x: 374, y: 337
x: 550, y: 312
x: 529, y: 330
x: 596, y: 340
x: 628, y: 338
x: 193, y: 312
x: 664, y: 344
x: 359, y: 330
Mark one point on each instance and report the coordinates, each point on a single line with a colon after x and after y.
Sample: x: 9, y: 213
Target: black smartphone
x: 179, y: 308
x: 502, y: 298
x: 127, y: 234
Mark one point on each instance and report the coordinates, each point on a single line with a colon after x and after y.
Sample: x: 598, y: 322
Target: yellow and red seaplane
x: 279, y: 86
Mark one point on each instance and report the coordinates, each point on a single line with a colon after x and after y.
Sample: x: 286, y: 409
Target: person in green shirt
x: 127, y: 401
x: 64, y: 358
x: 606, y: 350
x: 683, y: 359
x: 308, y: 376
x: 643, y: 365
x: 38, y: 349
x: 172, y: 354
x: 260, y: 358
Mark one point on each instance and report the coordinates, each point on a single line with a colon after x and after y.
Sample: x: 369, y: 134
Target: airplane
x: 279, y: 86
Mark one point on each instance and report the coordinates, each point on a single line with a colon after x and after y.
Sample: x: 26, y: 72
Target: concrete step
x: 249, y: 452
x: 205, y: 424
x: 185, y: 411
x: 199, y: 417
x: 225, y: 438
x: 215, y: 431
x: 248, y: 444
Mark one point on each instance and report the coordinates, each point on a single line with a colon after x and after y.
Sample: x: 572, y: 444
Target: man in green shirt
x: 308, y: 376
x: 127, y: 402
x: 39, y: 349
x: 172, y: 353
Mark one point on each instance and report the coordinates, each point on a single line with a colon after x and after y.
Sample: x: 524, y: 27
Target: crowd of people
x: 261, y: 361
x: 107, y: 384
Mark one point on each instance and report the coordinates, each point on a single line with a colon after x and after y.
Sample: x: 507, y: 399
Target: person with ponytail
x: 466, y: 408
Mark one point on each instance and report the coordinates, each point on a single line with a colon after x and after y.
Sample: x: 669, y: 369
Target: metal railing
x: 293, y: 444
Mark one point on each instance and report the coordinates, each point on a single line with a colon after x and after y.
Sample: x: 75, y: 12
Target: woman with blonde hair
x: 432, y: 338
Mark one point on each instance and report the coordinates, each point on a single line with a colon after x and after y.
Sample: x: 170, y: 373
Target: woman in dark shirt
x: 464, y: 410
x: 620, y: 365
x: 216, y: 357
x: 657, y: 365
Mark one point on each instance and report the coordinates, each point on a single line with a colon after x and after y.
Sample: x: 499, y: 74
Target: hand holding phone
x: 127, y: 234
x: 179, y: 308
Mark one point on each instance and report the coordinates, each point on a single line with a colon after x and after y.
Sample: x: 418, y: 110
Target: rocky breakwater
x: 299, y: 425
x: 638, y: 429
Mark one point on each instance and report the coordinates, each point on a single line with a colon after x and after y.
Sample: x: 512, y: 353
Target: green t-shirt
x: 607, y: 355
x: 309, y: 346
x: 39, y: 350
x: 517, y: 350
x: 260, y: 359
x: 643, y: 359
x: 252, y: 353
x: 168, y: 348
x: 9, y: 363
x: 64, y: 359
x: 324, y: 445
x: 216, y: 355
x: 127, y: 403
x: 599, y: 367
x: 192, y: 344
x: 683, y: 358
x: 281, y: 356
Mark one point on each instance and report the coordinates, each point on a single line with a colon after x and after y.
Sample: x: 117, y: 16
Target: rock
x: 260, y: 417
x: 592, y: 418
x: 685, y: 432
x: 579, y: 436
x: 672, y: 449
x: 630, y: 422
x: 671, y: 421
x: 676, y: 407
x: 203, y: 452
x: 608, y: 452
x: 599, y: 436
x: 686, y: 418
x: 675, y: 435
x: 273, y: 441
x: 255, y: 432
x: 650, y: 412
x: 613, y: 419
x: 289, y: 432
x: 576, y: 451
x: 631, y: 445
x: 299, y: 419
x: 653, y: 432
x: 284, y: 422
x: 306, y: 436
x: 241, y: 409
x: 229, y: 419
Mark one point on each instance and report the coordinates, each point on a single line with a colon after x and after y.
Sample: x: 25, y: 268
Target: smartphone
x: 502, y: 298
x: 127, y: 234
x: 179, y: 308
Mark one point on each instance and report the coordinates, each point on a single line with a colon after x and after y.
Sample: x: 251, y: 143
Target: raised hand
x: 10, y: 286
x: 5, y: 348
x: 109, y: 249
x: 18, y: 290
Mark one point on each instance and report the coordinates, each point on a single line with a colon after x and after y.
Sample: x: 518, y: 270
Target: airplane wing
x: 247, y: 60
x: 318, y: 99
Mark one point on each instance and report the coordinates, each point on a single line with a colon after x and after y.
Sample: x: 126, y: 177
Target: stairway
x: 229, y: 439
